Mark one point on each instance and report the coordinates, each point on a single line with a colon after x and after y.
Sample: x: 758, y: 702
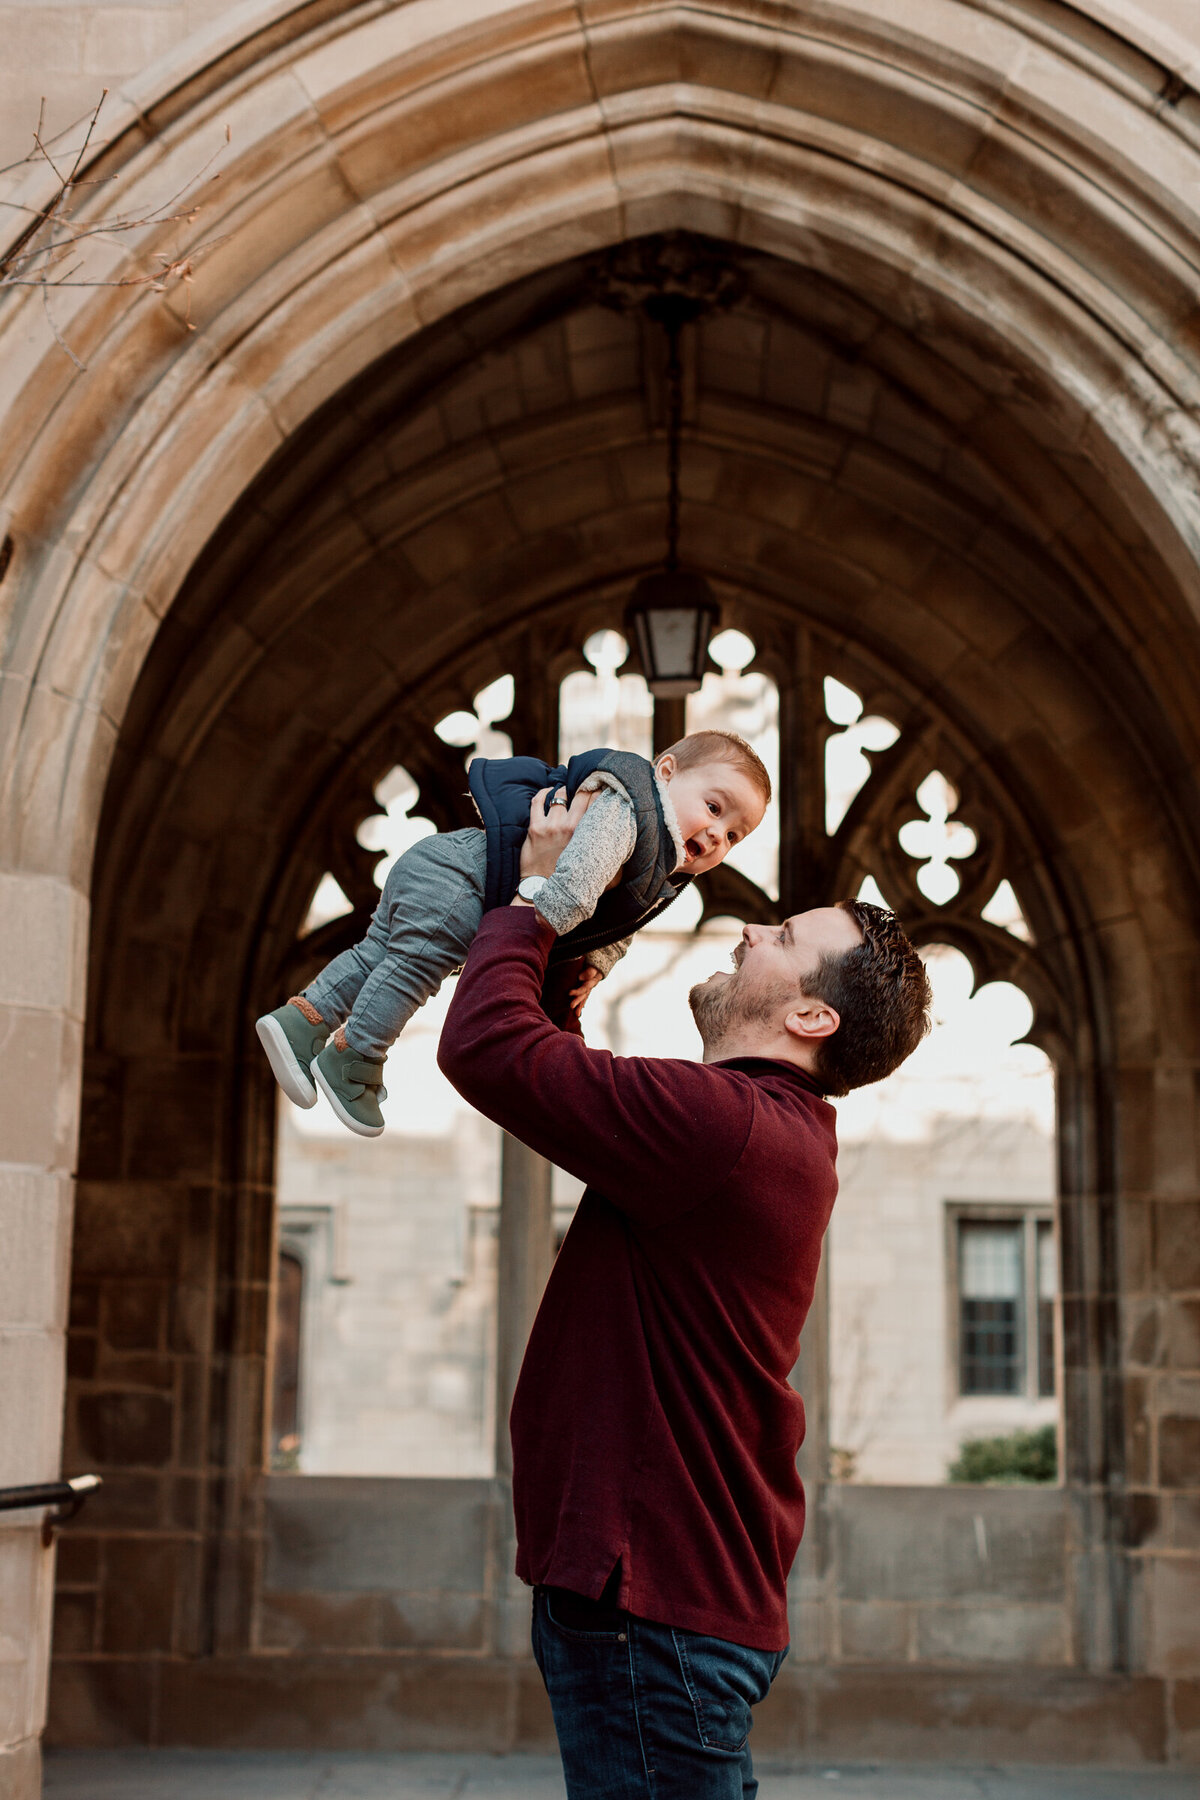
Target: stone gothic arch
x: 948, y: 436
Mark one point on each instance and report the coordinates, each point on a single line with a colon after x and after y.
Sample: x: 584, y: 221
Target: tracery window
x: 871, y: 798
x: 600, y: 705
x: 847, y: 766
x: 746, y: 700
x: 970, y: 1114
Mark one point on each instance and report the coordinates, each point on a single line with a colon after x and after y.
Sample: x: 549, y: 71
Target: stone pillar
x: 807, y: 1588
x: 526, y: 1253
x: 670, y: 723
x: 43, y: 936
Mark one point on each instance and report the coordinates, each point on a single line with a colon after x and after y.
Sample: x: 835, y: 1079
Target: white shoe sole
x: 286, y: 1066
x: 348, y: 1120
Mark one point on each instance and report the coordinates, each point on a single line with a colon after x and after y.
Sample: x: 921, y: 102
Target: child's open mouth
x: 692, y: 850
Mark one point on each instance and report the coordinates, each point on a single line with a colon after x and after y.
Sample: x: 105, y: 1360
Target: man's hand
x: 550, y: 833
x: 588, y: 977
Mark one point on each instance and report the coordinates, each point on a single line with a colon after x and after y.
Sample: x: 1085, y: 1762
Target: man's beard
x: 721, y: 1011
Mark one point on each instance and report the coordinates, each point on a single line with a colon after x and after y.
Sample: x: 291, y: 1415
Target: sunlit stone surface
x: 381, y: 438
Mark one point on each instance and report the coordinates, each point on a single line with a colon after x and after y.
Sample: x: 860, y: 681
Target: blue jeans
x: 428, y: 913
x: 645, y: 1711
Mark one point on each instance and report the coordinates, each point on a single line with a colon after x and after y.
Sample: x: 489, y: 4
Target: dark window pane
x: 285, y: 1409
x: 991, y: 1351
x: 989, y: 1279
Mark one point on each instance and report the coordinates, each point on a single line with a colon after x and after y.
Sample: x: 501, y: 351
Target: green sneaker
x: 291, y: 1042
x: 353, y: 1086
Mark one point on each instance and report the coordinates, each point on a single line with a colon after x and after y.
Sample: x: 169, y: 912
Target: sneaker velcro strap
x: 369, y: 1073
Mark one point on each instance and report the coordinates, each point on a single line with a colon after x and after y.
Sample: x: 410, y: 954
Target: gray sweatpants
x: 428, y: 912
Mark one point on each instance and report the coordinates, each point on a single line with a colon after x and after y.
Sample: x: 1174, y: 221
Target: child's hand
x: 588, y: 977
x: 550, y: 832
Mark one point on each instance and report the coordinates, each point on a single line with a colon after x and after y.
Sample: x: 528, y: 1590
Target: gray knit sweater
x: 602, y: 844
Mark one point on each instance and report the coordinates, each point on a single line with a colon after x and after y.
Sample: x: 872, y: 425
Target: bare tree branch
x: 58, y: 336
x: 46, y: 253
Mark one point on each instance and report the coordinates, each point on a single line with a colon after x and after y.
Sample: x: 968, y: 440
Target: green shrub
x: 1019, y: 1458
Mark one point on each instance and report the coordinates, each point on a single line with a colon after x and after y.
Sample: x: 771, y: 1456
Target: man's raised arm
x: 640, y: 1129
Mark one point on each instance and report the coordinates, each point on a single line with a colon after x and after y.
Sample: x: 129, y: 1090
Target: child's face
x: 716, y: 805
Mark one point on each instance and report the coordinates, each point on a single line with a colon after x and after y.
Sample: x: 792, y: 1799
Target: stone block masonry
x: 977, y: 500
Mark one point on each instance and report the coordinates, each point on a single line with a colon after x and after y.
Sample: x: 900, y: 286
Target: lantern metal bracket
x: 672, y: 280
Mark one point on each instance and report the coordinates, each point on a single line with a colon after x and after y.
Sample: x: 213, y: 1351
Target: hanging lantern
x: 672, y: 616
x: 673, y: 613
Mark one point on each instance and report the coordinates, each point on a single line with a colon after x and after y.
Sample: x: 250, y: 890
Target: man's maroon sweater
x: 653, y: 1421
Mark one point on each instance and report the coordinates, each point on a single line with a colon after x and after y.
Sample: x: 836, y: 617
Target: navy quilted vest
x: 503, y: 788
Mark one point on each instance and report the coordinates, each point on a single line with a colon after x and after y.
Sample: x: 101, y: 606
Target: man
x: 654, y: 1430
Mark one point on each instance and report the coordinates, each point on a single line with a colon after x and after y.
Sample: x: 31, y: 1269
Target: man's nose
x: 751, y: 933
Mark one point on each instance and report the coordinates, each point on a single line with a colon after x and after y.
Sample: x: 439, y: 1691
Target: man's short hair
x: 881, y: 994
x: 701, y: 747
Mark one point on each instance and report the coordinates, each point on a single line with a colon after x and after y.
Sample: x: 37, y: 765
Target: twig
x: 87, y: 136
x: 59, y: 339
x: 37, y: 257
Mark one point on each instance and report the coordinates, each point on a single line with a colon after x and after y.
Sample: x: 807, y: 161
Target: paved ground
x: 279, y: 1775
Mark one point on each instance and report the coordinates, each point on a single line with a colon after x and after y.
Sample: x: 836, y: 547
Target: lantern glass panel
x: 673, y: 642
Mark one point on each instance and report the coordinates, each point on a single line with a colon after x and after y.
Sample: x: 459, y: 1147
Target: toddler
x: 649, y: 829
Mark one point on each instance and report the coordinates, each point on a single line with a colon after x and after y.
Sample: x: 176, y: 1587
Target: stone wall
x: 950, y: 1608
x: 949, y: 439
x: 916, y: 1577
x: 68, y: 54
x: 951, y: 1576
x: 379, y: 1565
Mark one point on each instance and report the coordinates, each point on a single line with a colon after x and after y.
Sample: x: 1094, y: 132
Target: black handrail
x: 67, y: 1496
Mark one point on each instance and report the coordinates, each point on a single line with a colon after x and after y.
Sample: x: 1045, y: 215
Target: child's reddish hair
x: 721, y: 746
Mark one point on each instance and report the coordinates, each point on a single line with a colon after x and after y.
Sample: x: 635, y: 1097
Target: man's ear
x: 811, y: 1020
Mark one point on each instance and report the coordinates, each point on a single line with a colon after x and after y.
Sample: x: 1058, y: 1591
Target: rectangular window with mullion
x: 992, y: 1331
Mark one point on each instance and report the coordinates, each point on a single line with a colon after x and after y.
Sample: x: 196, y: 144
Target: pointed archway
x: 950, y: 436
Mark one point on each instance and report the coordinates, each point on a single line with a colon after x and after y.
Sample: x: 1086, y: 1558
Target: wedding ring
x: 558, y: 800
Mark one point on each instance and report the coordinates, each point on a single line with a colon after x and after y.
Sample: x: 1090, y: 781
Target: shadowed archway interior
x: 912, y: 516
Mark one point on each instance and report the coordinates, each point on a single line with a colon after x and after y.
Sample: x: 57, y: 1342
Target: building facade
x: 291, y: 477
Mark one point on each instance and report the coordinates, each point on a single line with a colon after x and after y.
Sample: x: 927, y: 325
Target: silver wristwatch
x: 531, y: 887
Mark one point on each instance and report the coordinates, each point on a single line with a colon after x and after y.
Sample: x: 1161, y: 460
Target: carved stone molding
x: 673, y: 277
